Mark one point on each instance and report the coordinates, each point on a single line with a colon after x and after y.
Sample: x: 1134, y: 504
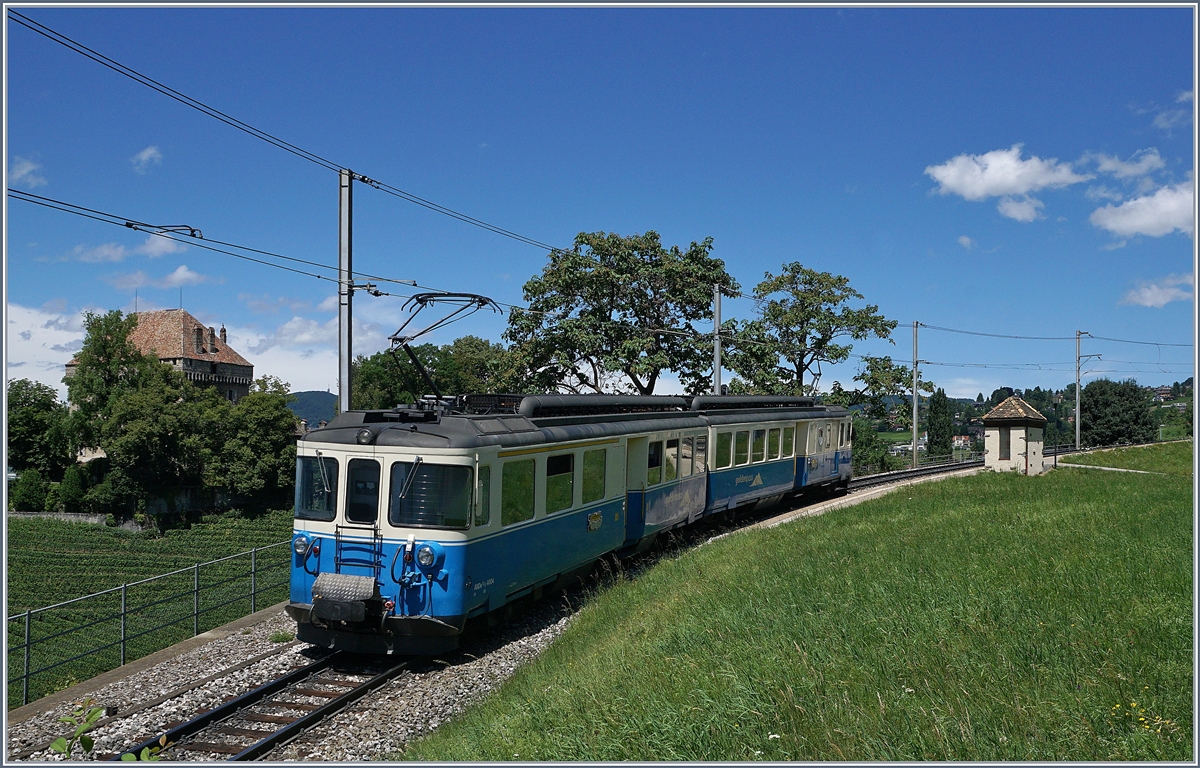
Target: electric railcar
x: 409, y: 522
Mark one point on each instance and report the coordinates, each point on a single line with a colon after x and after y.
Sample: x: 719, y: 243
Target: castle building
x: 199, y: 353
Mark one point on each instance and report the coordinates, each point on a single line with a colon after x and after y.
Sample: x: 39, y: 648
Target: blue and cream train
x: 408, y: 522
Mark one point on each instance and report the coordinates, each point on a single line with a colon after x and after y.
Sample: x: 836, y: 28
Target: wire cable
x: 258, y: 133
x: 1147, y: 343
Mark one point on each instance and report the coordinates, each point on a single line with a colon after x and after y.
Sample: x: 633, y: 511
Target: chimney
x: 198, y: 339
x: 212, y: 339
x: 223, y: 334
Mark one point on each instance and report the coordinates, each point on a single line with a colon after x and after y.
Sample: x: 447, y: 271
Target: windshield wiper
x: 412, y: 475
x: 324, y: 477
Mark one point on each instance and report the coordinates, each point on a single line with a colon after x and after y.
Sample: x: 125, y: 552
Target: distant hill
x: 314, y: 406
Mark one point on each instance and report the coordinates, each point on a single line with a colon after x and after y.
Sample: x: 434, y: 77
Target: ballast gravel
x: 429, y: 693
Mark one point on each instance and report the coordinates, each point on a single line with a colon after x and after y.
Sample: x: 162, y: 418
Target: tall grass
x: 1171, y: 458
x: 996, y: 617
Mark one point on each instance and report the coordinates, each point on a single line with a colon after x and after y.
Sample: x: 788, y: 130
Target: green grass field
x: 995, y: 617
x: 1171, y: 458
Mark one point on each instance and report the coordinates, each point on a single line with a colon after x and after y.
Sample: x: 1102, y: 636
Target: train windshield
x: 430, y: 495
x: 316, y: 488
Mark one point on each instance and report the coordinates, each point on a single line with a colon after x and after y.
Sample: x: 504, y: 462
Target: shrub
x: 52, y: 503
x: 72, y: 488
x: 29, y: 492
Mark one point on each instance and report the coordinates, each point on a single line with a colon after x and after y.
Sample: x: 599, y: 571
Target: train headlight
x: 300, y: 544
x: 425, y: 555
x: 364, y: 436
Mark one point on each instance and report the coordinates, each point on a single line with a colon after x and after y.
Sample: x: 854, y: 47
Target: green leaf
x: 59, y: 745
x: 129, y: 757
x: 87, y: 743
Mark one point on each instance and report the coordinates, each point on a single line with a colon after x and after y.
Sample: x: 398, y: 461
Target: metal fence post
x: 253, y: 578
x: 25, y: 678
x: 124, y: 588
x: 196, y: 600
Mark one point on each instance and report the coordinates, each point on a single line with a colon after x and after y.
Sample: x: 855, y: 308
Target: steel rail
x: 232, y: 707
x: 294, y: 730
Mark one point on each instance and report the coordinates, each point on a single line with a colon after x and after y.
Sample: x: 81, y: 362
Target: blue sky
x: 1009, y: 171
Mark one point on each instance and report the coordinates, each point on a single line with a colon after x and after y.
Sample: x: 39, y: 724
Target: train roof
x: 476, y: 421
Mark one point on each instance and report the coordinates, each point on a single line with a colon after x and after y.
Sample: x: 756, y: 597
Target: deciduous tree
x: 614, y: 312
x: 1115, y: 412
x: 804, y: 313
x: 37, y: 437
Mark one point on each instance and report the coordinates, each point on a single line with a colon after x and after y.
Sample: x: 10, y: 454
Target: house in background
x: 200, y: 353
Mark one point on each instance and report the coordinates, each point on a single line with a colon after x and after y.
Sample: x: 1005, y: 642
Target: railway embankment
x: 992, y: 617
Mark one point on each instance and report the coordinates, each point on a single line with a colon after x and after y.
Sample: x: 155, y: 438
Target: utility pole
x: 914, y: 393
x: 716, y: 339
x: 1078, y: 334
x: 345, y: 288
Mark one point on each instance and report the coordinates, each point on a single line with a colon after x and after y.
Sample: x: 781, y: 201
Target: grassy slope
x: 52, y: 560
x: 1172, y: 458
x: 984, y: 618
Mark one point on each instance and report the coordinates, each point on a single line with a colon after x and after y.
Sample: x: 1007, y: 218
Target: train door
x: 635, y: 488
x: 358, y: 543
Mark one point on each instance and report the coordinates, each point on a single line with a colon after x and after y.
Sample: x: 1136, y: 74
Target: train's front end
x: 379, y: 543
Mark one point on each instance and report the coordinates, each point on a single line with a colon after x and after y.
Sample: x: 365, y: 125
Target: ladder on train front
x: 358, y: 546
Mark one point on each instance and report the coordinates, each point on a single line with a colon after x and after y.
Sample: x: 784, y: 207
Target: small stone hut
x: 1013, y: 433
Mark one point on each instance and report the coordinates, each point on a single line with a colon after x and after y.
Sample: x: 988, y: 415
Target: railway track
x: 250, y: 726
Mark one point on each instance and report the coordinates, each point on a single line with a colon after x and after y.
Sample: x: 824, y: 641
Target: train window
x: 849, y: 433
x: 316, y: 488
x: 701, y: 445
x: 483, y: 510
x: 685, y: 458
x: 773, y: 444
x: 789, y: 435
x: 654, y: 464
x: 724, y: 449
x: 560, y: 482
x: 516, y: 492
x: 741, y: 448
x: 820, y: 439
x: 594, y: 469
x: 842, y: 435
x: 362, y: 491
x: 435, y: 495
x: 759, y: 445
x: 671, y: 466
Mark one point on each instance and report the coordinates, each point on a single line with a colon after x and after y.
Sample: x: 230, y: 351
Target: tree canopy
x: 941, y: 426
x: 468, y: 364
x: 1115, y: 412
x: 613, y: 313
x: 36, y: 429
x: 804, y: 313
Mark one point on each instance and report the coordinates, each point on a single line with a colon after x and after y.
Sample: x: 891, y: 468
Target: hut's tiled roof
x: 1013, y: 408
x: 169, y: 334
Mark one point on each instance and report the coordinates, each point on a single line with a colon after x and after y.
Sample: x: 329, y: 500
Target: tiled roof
x: 1013, y: 408
x: 169, y: 334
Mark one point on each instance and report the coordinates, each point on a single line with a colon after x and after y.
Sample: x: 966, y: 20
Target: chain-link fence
x: 57, y: 646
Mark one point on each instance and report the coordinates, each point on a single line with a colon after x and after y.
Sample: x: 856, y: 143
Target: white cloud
x: 1159, y: 293
x: 330, y: 304
x: 966, y: 242
x: 40, y: 343
x: 156, y: 246
x: 1142, y: 162
x: 21, y: 173
x: 181, y: 276
x: 144, y: 159
x: 1001, y: 172
x: 1025, y: 209
x: 1101, y: 192
x: 106, y: 252
x: 1170, y: 208
x: 1185, y: 96
x: 1170, y: 118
